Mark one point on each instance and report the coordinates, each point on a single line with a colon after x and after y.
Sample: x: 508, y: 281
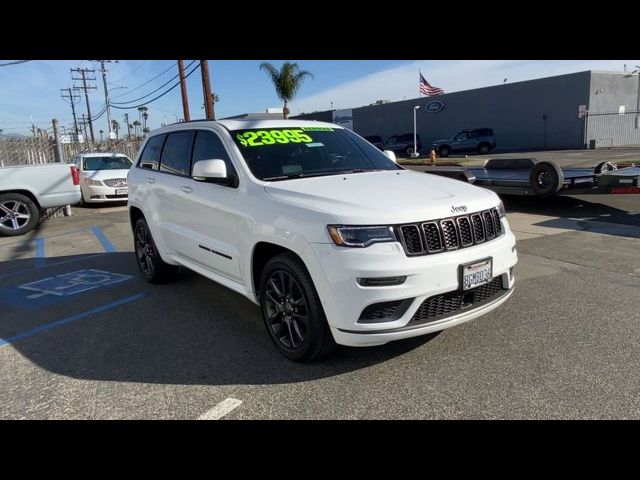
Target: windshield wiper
x: 318, y: 174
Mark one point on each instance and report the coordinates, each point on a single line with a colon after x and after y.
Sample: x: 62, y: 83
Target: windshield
x: 283, y: 153
x: 106, y: 163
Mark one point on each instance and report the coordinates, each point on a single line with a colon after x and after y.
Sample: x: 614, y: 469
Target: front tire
x: 483, y: 149
x: 292, y: 311
x: 18, y: 214
x: 151, y: 265
x: 443, y: 152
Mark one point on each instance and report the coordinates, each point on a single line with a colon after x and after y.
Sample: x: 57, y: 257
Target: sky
x: 31, y: 91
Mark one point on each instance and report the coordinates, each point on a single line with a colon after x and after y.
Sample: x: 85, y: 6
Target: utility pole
x: 84, y: 126
x: 83, y: 72
x: 58, y: 140
x: 126, y: 119
x: 106, y: 91
x: 67, y: 93
x: 183, y: 89
x: 206, y: 90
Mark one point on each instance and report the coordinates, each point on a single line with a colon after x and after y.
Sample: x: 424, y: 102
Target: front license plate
x: 122, y: 191
x: 476, y: 274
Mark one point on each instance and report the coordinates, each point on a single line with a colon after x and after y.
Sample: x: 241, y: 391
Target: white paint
x: 221, y: 409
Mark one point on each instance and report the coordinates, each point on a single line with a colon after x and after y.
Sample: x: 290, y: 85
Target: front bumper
x: 101, y: 194
x: 335, y: 269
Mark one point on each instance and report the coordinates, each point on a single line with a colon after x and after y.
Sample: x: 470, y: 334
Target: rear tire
x: 292, y: 311
x: 483, y: 149
x: 409, y: 151
x: 152, y: 267
x: 443, y: 152
x: 18, y: 214
x: 546, y: 179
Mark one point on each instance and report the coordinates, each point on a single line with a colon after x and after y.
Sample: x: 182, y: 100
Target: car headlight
x: 93, y: 183
x: 501, y: 211
x: 345, y: 236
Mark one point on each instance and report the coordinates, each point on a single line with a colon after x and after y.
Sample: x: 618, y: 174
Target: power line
x: 14, y: 63
x: 151, y: 93
x: 159, y: 96
x: 131, y: 73
x: 145, y: 83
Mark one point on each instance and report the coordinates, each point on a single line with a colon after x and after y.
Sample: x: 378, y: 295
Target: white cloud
x: 452, y: 75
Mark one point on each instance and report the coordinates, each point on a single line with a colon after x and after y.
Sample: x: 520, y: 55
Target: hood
x: 105, y: 174
x: 385, y: 197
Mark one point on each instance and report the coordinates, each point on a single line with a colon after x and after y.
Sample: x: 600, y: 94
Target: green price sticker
x: 257, y: 138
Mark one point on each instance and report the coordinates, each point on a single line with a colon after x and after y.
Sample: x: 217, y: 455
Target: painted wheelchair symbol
x: 73, y: 283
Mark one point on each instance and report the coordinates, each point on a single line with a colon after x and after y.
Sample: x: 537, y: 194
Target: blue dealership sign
x: 435, y: 106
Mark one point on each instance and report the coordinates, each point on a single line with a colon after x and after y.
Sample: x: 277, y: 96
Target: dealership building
x: 589, y: 109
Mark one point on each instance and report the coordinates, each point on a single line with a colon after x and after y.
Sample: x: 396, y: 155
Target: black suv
x: 402, y: 143
x: 479, y: 140
x: 376, y: 141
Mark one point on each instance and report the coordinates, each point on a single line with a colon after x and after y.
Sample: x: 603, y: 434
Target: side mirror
x: 204, y: 170
x: 390, y: 155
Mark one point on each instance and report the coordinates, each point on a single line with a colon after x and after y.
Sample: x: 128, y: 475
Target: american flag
x: 427, y: 89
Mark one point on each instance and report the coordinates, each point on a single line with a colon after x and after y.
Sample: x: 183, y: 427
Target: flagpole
x: 419, y: 80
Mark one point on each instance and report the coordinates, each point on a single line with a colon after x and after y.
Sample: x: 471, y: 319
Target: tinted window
x: 151, y: 155
x: 280, y: 154
x: 485, y: 132
x: 475, y: 133
x: 208, y: 146
x: 176, y: 153
x: 406, y: 137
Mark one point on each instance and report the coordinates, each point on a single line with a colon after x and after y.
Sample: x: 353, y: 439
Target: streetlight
x: 415, y: 153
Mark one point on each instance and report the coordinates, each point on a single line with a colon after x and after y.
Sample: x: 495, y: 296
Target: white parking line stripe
x: 220, y: 410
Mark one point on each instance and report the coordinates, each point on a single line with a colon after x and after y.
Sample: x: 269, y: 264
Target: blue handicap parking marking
x: 54, y: 289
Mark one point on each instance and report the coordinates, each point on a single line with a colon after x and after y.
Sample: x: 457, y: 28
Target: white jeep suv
x: 329, y: 236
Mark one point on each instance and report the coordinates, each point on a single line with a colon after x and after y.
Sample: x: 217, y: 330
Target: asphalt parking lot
x: 566, y: 345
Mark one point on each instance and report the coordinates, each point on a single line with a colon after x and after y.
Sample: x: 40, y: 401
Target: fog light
x: 381, y: 281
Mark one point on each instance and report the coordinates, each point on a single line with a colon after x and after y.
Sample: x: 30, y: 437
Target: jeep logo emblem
x: 435, y: 106
x: 459, y: 209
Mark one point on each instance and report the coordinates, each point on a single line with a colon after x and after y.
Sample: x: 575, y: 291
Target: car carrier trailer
x: 529, y: 176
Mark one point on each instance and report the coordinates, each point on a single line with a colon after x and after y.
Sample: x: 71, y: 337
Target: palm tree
x: 136, y: 124
x: 141, y: 110
x: 287, y: 81
x: 145, y: 115
x: 115, y: 126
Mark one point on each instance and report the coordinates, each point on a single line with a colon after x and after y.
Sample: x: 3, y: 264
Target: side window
x: 208, y: 146
x: 176, y: 153
x: 475, y: 133
x: 150, y: 157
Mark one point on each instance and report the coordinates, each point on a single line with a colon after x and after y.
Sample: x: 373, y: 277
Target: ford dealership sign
x: 435, y: 106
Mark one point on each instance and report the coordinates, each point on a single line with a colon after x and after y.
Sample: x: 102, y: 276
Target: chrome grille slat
x: 464, y: 226
x: 446, y: 234
x: 432, y: 236
x: 487, y: 219
x: 115, y: 182
x: 412, y: 239
x: 449, y: 234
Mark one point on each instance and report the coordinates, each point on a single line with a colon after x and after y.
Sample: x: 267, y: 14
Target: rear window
x: 176, y: 154
x: 150, y: 157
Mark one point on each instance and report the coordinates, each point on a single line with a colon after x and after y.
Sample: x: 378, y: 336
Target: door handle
x: 151, y: 180
x: 186, y: 189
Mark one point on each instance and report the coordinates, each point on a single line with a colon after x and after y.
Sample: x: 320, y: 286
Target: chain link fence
x: 37, y: 151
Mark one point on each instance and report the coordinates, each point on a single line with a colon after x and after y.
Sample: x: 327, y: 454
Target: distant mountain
x: 12, y: 135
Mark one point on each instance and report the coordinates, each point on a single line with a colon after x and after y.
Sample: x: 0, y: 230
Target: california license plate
x: 476, y: 274
x: 122, y: 191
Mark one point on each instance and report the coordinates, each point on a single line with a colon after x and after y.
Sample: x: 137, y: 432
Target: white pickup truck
x: 27, y: 190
